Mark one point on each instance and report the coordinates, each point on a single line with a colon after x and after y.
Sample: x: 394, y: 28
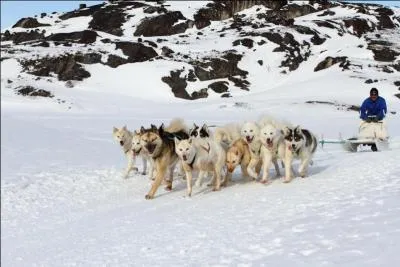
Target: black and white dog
x: 197, y: 132
x: 300, y: 144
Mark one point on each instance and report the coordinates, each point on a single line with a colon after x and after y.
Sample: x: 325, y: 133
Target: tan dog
x: 160, y: 145
x: 238, y: 154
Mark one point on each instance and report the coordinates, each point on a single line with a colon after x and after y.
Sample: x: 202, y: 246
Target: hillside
x: 200, y: 49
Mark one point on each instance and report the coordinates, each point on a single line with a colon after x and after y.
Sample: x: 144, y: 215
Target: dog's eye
x: 180, y: 149
x: 251, y: 131
x: 187, y: 149
x: 271, y: 133
x: 234, y: 161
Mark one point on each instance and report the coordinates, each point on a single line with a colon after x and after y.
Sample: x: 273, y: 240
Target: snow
x: 64, y: 201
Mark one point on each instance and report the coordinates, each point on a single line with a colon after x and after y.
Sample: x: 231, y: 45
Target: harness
x: 191, y: 163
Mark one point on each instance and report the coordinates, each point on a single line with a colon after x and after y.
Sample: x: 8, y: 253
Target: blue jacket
x: 377, y: 108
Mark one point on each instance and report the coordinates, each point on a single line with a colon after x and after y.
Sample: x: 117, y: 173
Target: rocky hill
x: 199, y: 49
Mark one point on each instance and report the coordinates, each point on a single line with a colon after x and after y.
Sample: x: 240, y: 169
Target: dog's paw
x: 135, y: 169
x: 148, y: 197
x: 143, y: 173
x: 168, y: 188
x: 264, y: 181
x: 216, y: 189
x: 287, y: 180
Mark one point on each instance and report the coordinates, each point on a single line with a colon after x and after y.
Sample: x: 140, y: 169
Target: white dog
x: 250, y: 133
x: 202, y: 154
x: 272, y: 149
x: 300, y: 144
x: 124, y: 137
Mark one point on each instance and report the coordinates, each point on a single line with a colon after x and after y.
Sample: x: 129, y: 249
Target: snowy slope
x: 64, y: 202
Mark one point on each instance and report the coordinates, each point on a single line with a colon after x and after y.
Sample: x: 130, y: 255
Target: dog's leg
x: 181, y: 171
x: 217, y: 174
x: 200, y: 178
x: 171, y: 177
x: 288, y: 166
x: 189, y: 178
x: 266, y: 164
x: 131, y: 161
x: 276, y: 165
x: 304, y: 167
x: 161, y: 169
x: 227, y: 179
x: 144, y: 160
x: 250, y: 168
x: 152, y: 171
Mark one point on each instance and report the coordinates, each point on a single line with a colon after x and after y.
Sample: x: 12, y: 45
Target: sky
x: 12, y: 11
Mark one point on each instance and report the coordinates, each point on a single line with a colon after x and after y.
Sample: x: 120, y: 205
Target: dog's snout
x: 268, y: 140
x: 293, y: 146
x: 184, y: 157
x: 121, y: 143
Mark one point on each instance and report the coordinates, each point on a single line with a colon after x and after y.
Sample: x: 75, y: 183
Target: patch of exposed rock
x: 21, y: 37
x: 221, y: 10
x: 329, y: 61
x: 82, y: 37
x: 31, y: 91
x: 163, y: 25
x: 29, y: 23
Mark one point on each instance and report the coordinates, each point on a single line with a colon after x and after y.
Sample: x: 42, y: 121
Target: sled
x: 371, y: 133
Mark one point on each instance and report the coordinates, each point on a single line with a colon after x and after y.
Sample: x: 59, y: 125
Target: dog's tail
x: 221, y: 135
x: 177, y: 125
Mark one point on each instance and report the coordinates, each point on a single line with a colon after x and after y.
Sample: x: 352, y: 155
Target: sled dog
x: 138, y: 151
x: 299, y: 144
x: 160, y: 145
x: 124, y: 137
x: 202, y: 154
x: 250, y: 133
x: 272, y: 149
x: 227, y: 134
x: 197, y: 132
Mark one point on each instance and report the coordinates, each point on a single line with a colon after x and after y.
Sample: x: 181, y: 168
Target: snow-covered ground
x: 64, y: 201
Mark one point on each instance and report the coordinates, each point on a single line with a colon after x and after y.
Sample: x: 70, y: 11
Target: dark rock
x: 89, y: 58
x: 360, y: 26
x: 387, y: 69
x: 292, y: 11
x: 29, y: 23
x: 42, y: 15
x: 329, y: 61
x: 326, y: 13
x: 261, y: 42
x: 384, y: 54
x: 191, y: 76
x: 136, y: 52
x: 43, y: 44
x: 369, y: 81
x: 260, y: 62
x: 114, y: 61
x: 322, y: 23
x: 396, y: 66
x: 221, y: 10
x: 81, y: 6
x: 153, y: 44
x: 65, y: 66
x: 245, y: 42
x: 152, y: 9
x: 384, y: 11
x: 226, y: 95
x: 106, y: 40
x: 219, y: 87
x: 31, y: 91
x: 220, y: 67
x: 9, y: 81
x: 385, y: 22
x: 163, y: 25
x: 21, y: 37
x: 82, y: 12
x: 397, y: 95
x: 242, y: 84
x: 202, y: 93
x: 167, y: 52
x: 317, y: 40
x: 177, y: 84
x: 83, y: 37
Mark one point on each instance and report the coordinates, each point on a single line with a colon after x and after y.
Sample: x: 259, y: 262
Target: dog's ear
x: 124, y: 128
x: 286, y: 131
x: 297, y: 129
x: 195, y: 126
x: 142, y: 130
x: 153, y: 127
x: 176, y: 140
x: 205, y: 128
x: 161, y: 129
x: 115, y: 129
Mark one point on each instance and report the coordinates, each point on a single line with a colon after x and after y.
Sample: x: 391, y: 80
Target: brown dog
x: 160, y: 145
x: 238, y: 154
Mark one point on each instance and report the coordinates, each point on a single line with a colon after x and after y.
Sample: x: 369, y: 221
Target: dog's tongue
x: 269, y: 143
x: 249, y: 139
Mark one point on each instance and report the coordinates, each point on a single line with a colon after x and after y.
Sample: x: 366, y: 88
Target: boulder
x: 329, y: 61
x: 29, y: 23
x: 136, y: 52
x: 82, y: 37
x: 163, y: 25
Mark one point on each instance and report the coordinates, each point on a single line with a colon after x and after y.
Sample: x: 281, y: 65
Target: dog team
x: 252, y: 145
